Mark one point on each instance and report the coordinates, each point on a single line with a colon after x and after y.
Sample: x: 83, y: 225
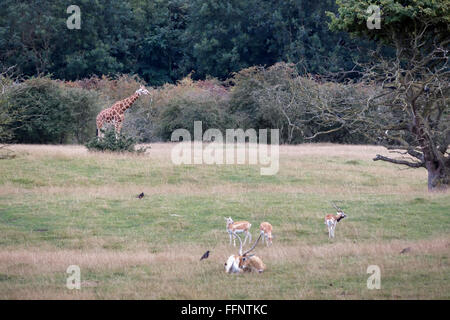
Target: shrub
x: 44, y: 119
x: 178, y: 106
x: 47, y: 112
x: 41, y: 110
x: 110, y: 143
x: 84, y: 106
x: 278, y: 97
x: 181, y: 114
x: 7, y: 117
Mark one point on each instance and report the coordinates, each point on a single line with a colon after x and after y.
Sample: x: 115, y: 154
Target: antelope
x: 332, y: 220
x: 244, y: 262
x: 265, y: 229
x: 238, y: 227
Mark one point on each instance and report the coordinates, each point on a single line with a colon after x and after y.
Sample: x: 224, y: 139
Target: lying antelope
x: 238, y: 227
x: 332, y: 220
x: 244, y: 262
x: 265, y: 229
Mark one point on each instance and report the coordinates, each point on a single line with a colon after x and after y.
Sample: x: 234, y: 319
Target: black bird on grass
x: 140, y: 196
x: 405, y: 250
x: 205, y: 255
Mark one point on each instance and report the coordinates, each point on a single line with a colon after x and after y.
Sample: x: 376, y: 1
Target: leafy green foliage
x: 415, y: 81
x: 160, y: 54
x: 43, y: 111
x: 181, y: 114
x: 399, y: 19
x: 34, y: 37
x: 47, y: 119
x: 227, y: 36
x: 190, y: 101
x: 7, y: 114
x: 110, y: 143
x: 164, y: 40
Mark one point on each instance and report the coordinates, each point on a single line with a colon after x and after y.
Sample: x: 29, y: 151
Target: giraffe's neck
x: 123, y: 105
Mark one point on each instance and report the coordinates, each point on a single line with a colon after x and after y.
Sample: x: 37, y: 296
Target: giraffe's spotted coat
x: 115, y: 114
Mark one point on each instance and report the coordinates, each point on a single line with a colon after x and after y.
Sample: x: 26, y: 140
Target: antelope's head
x: 237, y: 263
x: 229, y: 221
x: 339, y: 213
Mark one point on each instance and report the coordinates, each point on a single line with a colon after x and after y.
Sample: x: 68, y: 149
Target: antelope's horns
x: 253, y: 247
x: 335, y: 206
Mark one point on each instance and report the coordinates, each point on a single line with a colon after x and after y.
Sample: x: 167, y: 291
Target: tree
x: 160, y: 51
x: 226, y: 36
x: 35, y: 38
x: 409, y: 112
x: 164, y: 40
x: 27, y: 34
x: 8, y: 114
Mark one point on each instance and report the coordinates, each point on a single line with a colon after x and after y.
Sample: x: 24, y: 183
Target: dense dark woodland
x: 163, y: 40
x: 312, y: 69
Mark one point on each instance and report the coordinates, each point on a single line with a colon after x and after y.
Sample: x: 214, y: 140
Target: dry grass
x: 42, y: 261
x: 163, y: 150
x: 177, y: 273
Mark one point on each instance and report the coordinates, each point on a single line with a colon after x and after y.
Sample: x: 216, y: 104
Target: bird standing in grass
x: 205, y: 255
x: 140, y: 196
x: 405, y: 250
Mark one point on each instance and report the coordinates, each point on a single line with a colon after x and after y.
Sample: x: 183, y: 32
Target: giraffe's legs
x: 99, y: 123
x: 99, y: 132
x: 118, y: 124
x: 118, y: 127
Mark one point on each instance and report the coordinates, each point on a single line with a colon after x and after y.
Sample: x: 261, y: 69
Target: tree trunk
x: 438, y: 171
x: 438, y: 176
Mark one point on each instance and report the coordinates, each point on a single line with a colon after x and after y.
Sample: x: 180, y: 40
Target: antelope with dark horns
x: 243, y: 261
x: 332, y: 220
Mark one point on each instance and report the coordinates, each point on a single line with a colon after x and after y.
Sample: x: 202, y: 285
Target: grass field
x: 61, y: 206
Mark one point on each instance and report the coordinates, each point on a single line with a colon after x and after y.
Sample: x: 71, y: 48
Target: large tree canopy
x: 399, y: 19
x: 164, y: 40
x: 410, y: 110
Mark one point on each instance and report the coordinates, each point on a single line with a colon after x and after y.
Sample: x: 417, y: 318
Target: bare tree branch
x: 397, y: 161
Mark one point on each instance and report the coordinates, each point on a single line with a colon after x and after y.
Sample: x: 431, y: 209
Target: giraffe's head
x: 142, y: 90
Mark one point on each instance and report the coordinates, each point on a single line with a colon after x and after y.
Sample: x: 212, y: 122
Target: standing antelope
x: 265, y: 229
x: 332, y: 220
x: 238, y: 227
x: 244, y: 262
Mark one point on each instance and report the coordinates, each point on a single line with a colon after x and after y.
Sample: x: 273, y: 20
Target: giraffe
x: 115, y: 114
